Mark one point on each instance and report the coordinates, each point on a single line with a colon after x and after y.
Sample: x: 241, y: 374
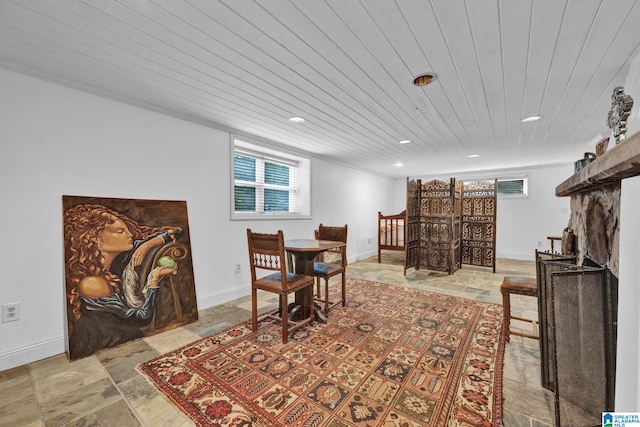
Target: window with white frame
x: 268, y: 183
x: 513, y: 187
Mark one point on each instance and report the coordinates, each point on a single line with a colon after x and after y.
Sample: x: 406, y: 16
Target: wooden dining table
x: 304, y: 252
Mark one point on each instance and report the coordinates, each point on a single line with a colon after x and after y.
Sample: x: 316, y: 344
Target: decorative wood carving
x: 412, y: 243
x: 437, y: 237
x: 478, y: 235
x: 621, y: 105
x: 440, y: 225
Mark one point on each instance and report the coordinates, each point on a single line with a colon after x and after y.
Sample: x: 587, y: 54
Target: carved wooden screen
x: 478, y: 235
x: 412, y: 225
x: 440, y: 225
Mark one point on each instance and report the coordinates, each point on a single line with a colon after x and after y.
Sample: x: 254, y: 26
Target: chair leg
x: 326, y: 296
x: 318, y: 286
x: 506, y: 309
x: 285, y: 318
x: 344, y: 289
x: 254, y: 309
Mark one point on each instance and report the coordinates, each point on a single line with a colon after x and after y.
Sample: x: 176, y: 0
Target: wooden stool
x: 519, y: 286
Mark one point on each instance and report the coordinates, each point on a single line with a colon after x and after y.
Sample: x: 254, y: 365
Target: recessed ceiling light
x: 296, y: 120
x: 531, y: 119
x: 405, y: 141
x: 424, y: 79
x: 398, y: 164
x: 471, y: 156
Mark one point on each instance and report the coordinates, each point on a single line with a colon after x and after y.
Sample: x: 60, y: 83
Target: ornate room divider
x: 478, y: 235
x: 412, y: 227
x: 449, y: 224
x: 440, y: 225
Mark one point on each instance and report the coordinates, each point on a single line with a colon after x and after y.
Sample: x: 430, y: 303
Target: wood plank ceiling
x: 347, y: 67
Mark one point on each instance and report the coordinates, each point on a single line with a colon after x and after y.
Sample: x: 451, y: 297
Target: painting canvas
x: 128, y: 270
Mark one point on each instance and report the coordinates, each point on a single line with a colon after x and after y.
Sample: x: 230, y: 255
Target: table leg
x: 304, y: 297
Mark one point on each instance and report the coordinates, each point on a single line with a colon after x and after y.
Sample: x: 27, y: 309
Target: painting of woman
x: 110, y: 301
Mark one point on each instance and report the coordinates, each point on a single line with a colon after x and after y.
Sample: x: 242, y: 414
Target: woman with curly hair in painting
x: 108, y: 304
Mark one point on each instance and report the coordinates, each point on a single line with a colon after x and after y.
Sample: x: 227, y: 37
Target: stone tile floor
x: 106, y: 390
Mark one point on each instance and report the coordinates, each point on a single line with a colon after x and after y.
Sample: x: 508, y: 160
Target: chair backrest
x: 266, y: 252
x: 338, y: 234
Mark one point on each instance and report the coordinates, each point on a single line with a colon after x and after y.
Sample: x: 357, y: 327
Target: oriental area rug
x: 394, y: 356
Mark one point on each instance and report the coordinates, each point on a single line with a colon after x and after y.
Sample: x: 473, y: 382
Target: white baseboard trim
x: 244, y: 290
x: 32, y: 352
x: 519, y: 256
x: 54, y: 346
x: 222, y: 297
x: 364, y: 255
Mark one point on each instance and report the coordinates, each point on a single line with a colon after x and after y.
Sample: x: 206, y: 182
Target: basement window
x: 268, y: 184
x: 513, y: 187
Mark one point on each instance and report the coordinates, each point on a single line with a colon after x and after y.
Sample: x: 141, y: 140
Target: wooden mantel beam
x: 619, y: 162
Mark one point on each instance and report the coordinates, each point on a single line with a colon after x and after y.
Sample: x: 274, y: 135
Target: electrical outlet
x: 10, y: 312
x: 238, y: 267
x: 369, y: 241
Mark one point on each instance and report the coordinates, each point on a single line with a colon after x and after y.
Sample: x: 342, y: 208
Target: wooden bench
x: 519, y: 286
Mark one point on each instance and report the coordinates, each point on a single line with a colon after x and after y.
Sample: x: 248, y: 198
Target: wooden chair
x: 266, y: 252
x: 326, y: 270
x: 519, y: 286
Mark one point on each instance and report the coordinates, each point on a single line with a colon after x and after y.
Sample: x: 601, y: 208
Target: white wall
x: 628, y: 354
x: 523, y: 222
x: 59, y: 141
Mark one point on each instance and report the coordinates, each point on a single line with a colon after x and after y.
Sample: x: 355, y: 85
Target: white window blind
x: 264, y: 183
x: 512, y: 186
x: 267, y: 183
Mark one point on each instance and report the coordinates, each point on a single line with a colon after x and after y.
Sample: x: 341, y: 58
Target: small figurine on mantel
x: 621, y: 105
